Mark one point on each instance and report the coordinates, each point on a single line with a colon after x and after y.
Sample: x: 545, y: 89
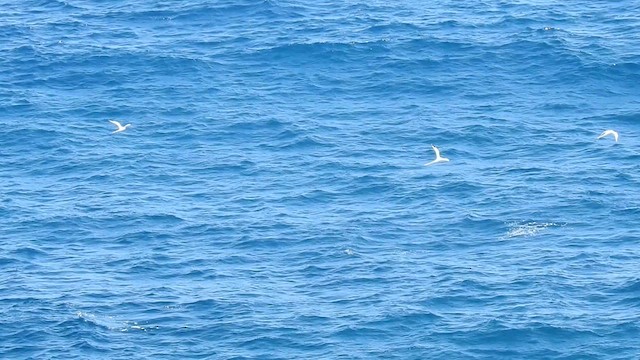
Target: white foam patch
x: 110, y: 323
x: 528, y: 229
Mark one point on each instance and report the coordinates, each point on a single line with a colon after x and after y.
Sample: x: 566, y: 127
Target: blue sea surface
x: 270, y: 199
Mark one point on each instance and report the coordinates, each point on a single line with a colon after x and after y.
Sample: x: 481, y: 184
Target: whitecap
x: 528, y: 229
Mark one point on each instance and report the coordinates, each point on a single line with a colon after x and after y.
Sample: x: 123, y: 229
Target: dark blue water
x: 270, y: 200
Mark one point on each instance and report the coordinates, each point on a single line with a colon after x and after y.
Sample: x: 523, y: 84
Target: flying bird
x: 120, y: 127
x: 438, y: 159
x: 609, y: 132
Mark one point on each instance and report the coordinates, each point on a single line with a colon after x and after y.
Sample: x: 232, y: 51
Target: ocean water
x: 270, y: 200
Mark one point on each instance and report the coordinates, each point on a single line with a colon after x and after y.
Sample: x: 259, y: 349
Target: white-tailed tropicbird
x: 438, y: 159
x: 120, y: 127
x: 609, y: 132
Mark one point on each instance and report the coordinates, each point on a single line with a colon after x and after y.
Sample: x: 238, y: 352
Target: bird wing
x: 435, y: 149
x: 115, y: 123
x: 609, y: 132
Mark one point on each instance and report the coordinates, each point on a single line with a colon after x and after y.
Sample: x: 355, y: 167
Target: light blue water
x: 270, y: 199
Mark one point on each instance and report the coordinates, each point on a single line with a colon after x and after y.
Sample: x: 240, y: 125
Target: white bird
x: 609, y: 132
x: 438, y: 159
x: 120, y: 127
